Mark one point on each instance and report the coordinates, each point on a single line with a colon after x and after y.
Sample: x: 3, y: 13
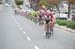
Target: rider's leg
x: 46, y: 28
x: 52, y: 26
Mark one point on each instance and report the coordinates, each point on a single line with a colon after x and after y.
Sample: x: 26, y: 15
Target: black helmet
x: 51, y: 9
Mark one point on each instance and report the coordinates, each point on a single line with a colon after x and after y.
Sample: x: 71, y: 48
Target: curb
x: 64, y: 28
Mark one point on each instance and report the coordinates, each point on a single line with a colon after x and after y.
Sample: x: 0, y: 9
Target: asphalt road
x: 17, y: 32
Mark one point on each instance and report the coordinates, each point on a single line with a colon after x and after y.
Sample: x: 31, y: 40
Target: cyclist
x: 47, y: 25
x: 40, y: 18
x: 50, y: 21
x: 42, y: 11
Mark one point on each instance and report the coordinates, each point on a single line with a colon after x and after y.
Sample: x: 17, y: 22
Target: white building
x: 26, y: 4
x: 63, y: 7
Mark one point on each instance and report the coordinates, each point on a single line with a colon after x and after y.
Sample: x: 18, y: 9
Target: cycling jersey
x: 47, y: 19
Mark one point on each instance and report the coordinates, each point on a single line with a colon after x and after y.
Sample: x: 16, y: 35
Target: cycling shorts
x: 47, y: 21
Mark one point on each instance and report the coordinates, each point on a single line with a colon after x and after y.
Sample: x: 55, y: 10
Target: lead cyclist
x: 49, y: 24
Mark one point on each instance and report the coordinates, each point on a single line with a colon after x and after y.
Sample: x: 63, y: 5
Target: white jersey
x: 47, y: 17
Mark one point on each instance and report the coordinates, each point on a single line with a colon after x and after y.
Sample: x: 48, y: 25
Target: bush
x: 71, y: 24
x: 57, y: 21
x: 61, y: 22
x: 19, y: 2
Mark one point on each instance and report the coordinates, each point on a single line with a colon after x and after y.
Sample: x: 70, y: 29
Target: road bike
x: 49, y: 30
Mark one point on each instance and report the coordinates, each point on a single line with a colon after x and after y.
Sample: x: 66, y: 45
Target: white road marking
x: 24, y: 32
x: 36, y: 47
x: 28, y: 38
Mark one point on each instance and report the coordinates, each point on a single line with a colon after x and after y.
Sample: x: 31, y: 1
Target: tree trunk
x: 68, y: 10
x: 58, y: 10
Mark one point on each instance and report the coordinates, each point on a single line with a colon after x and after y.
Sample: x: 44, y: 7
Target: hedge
x: 69, y: 24
x: 19, y: 2
x: 61, y: 22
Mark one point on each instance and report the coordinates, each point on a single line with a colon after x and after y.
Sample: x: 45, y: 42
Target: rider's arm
x: 54, y: 19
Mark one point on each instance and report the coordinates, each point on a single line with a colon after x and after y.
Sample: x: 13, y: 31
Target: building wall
x: 63, y: 6
x: 73, y: 6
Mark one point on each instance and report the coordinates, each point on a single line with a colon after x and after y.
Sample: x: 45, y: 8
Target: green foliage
x: 51, y: 5
x: 71, y: 1
x: 19, y: 2
x: 61, y: 22
x: 43, y: 2
x: 57, y: 21
x: 71, y: 24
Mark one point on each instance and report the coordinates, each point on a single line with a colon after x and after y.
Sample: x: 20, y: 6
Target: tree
x: 1, y: 1
x: 19, y: 2
x: 43, y: 2
x: 54, y: 3
x: 69, y: 3
x: 50, y: 3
